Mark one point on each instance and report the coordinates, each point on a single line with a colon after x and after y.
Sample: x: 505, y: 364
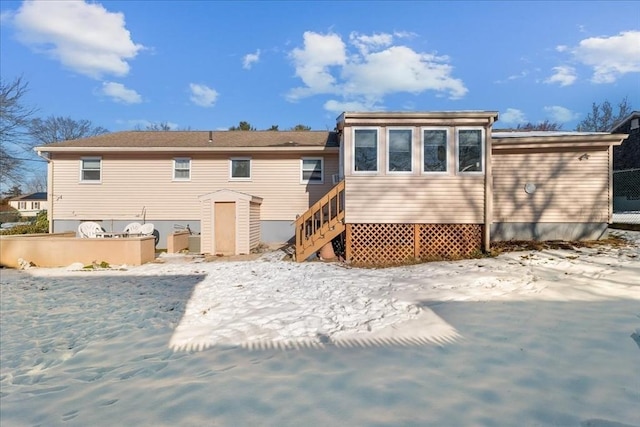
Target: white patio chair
x: 133, y: 228
x: 89, y: 229
x: 146, y: 229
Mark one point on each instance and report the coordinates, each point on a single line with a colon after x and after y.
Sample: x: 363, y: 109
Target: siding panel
x: 144, y: 182
x: 568, y: 189
x: 414, y: 199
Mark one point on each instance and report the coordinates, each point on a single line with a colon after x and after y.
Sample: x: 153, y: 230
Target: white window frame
x: 90, y: 181
x: 483, y: 143
x: 447, y: 148
x: 411, y: 150
x: 310, y: 181
x: 22, y: 205
x: 353, y: 151
x: 175, y: 169
x: 231, y: 177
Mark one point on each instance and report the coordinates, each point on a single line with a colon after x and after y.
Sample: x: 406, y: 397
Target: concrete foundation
x: 548, y: 231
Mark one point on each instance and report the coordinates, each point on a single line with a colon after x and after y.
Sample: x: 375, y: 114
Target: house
x: 627, y: 155
x: 393, y: 186
x: 29, y: 205
x: 626, y: 165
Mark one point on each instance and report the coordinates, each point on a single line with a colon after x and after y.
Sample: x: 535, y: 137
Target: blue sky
x: 208, y: 65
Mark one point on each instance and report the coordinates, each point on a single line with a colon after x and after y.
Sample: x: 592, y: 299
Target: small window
x: 470, y: 150
x: 400, y: 150
x: 434, y: 150
x: 90, y: 169
x: 365, y: 150
x: 35, y: 205
x: 240, y: 168
x: 181, y: 169
x: 312, y: 170
x: 22, y: 205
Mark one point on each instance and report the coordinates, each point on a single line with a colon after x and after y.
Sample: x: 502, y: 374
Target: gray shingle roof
x: 187, y: 139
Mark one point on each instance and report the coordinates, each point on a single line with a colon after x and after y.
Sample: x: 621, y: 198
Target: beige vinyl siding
x: 254, y: 225
x: 133, y: 182
x: 414, y: 199
x: 567, y: 189
x: 206, y: 227
x: 242, y: 226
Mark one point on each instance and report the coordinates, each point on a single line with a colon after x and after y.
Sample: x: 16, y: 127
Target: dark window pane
x: 470, y: 150
x: 400, y: 150
x: 435, y: 150
x: 366, y: 150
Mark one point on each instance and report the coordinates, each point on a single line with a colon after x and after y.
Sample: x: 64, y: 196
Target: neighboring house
x: 627, y: 155
x: 626, y: 165
x: 29, y: 205
x: 408, y: 185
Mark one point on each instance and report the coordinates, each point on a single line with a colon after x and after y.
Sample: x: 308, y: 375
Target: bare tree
x: 14, y: 118
x: 56, y: 129
x: 37, y: 183
x: 155, y: 127
x: 541, y: 126
x: 602, y: 117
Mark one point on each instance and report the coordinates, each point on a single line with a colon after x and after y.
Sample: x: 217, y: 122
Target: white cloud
x: 249, y: 59
x: 560, y: 114
x: 512, y: 116
x: 610, y: 57
x: 313, y: 61
x: 563, y: 75
x: 203, y: 95
x: 119, y: 93
x: 338, y: 107
x: 84, y: 37
x: 372, y: 68
x: 562, y: 48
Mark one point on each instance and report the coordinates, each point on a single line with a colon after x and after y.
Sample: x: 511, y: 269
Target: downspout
x: 488, y: 189
x: 49, y: 187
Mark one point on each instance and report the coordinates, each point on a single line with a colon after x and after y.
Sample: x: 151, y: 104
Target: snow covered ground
x: 546, y: 337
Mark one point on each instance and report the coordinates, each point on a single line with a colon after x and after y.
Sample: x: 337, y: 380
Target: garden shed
x: 230, y: 222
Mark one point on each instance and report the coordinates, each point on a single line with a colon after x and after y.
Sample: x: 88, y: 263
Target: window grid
x: 182, y: 169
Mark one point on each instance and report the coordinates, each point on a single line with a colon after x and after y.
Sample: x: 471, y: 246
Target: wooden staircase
x: 321, y: 223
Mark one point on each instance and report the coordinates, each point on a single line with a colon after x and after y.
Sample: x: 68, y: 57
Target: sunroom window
x: 365, y: 150
x: 470, y: 150
x: 182, y: 169
x: 434, y: 143
x: 90, y: 169
x: 312, y: 170
x: 399, y: 145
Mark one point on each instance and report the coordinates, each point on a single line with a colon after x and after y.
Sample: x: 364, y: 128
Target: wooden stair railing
x: 321, y: 223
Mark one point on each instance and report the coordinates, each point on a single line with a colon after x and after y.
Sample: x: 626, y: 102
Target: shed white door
x: 225, y: 228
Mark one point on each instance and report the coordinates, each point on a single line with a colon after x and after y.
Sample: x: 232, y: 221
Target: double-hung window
x: 434, y: 150
x: 470, y: 147
x: 365, y: 150
x: 22, y: 205
x: 240, y: 169
x: 399, y: 150
x: 182, y: 169
x: 35, y: 205
x: 312, y: 170
x: 91, y: 169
